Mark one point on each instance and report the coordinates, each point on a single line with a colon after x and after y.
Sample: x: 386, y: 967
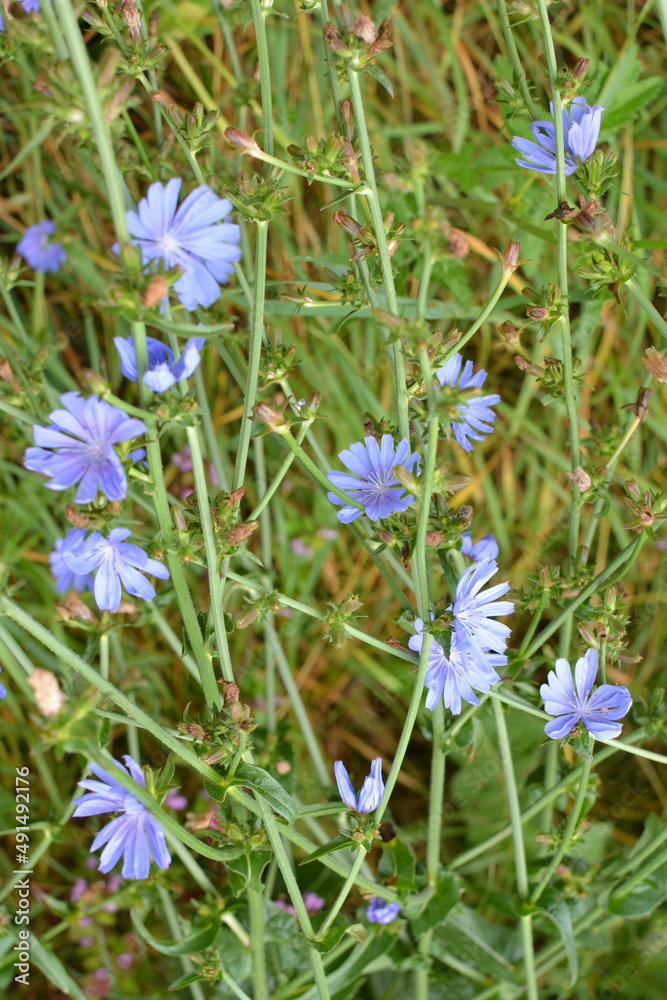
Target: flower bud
x: 364, y: 29
x: 266, y: 414
x: 132, y: 19
x: 580, y: 68
x: 524, y: 365
x: 581, y: 478
x: 510, y: 257
x: 406, y: 479
x: 242, y: 140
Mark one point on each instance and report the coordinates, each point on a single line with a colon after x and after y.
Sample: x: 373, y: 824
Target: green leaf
x: 262, y: 783
x: 331, y: 938
x: 557, y: 911
x: 245, y: 872
x: 398, y: 864
x: 338, y: 843
x: 53, y: 969
x: 643, y: 899
x: 381, y: 77
x: 444, y: 899
x: 195, y: 941
x: 186, y: 980
x: 580, y: 743
x: 166, y: 775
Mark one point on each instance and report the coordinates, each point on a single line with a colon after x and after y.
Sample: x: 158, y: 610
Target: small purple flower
x: 372, y: 482
x: 135, y: 833
x: 3, y: 689
x: 125, y: 960
x: 485, y: 548
x: 77, y: 890
x: 311, y: 900
x: 163, y: 371
x: 82, y: 436
x: 581, y: 128
x: 452, y: 676
x: 115, y: 560
x: 573, y: 702
x: 379, y: 911
x: 34, y: 245
x: 174, y: 800
x: 371, y: 790
x: 64, y: 577
x: 474, y: 629
x: 31, y: 6
x: 192, y: 237
x: 475, y: 417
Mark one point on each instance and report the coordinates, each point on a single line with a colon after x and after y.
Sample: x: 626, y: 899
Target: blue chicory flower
x: 475, y: 416
x: 31, y: 6
x: 372, y: 482
x: 474, y: 629
x: 455, y: 676
x: 573, y: 702
x: 371, y: 790
x: 115, y: 560
x: 380, y: 911
x: 581, y: 128
x: 3, y: 689
x: 485, y: 548
x: 135, y: 834
x: 65, y: 578
x: 189, y: 237
x: 88, y: 454
x: 163, y: 370
x: 34, y: 245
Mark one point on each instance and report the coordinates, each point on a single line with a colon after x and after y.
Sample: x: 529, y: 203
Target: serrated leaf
x: 261, y: 782
x: 580, y: 743
x: 245, y: 871
x: 195, y: 941
x: 381, y: 77
x: 338, y: 843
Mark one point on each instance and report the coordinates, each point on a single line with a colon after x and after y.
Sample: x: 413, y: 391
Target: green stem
x: 513, y: 54
x: 264, y: 74
x: 318, y: 476
x: 344, y: 892
x: 483, y: 316
x: 601, y: 500
x: 260, y: 154
x: 278, y: 478
x: 561, y: 192
x: 104, y: 656
x: 373, y: 200
x: 256, y: 911
x: 642, y: 300
x: 255, y: 352
x: 567, y: 834
x: 519, y: 849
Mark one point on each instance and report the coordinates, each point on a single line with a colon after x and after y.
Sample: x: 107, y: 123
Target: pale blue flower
x: 115, y: 561
x: 576, y: 703
x: 135, y: 834
x: 65, y: 578
x: 581, y: 128
x: 485, y: 548
x: 196, y: 237
x: 3, y: 689
x: 163, y: 371
x: 34, y: 245
x: 371, y: 790
x: 380, y: 911
x: 370, y: 480
x: 454, y: 676
x: 474, y: 628
x: 474, y: 417
x: 88, y: 455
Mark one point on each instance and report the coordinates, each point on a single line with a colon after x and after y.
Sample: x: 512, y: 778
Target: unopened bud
x: 537, y: 312
x: 346, y: 222
x: 179, y: 519
x: 170, y: 106
x: 94, y: 381
x: 364, y: 29
x: 405, y: 478
x: 242, y: 140
x: 510, y: 257
x: 633, y: 489
x: 266, y: 414
x: 581, y: 68
x: 230, y: 692
x: 155, y: 292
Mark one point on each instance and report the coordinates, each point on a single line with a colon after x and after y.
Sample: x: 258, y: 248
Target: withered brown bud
x: 242, y: 140
x: 266, y: 414
x: 48, y: 695
x: 655, y: 363
x: 640, y: 407
x: 346, y: 222
x: 524, y: 365
x: 230, y: 692
x: 344, y: 108
x: 241, y: 531
x: 581, y: 478
x: 510, y: 257
x: 434, y: 538
x: 7, y: 375
x: 458, y: 244
x: 75, y: 517
x: 132, y: 18
x: 364, y: 29
x: 155, y: 292
x: 152, y: 24
x: 171, y: 107
x: 384, y: 31
x: 193, y: 729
